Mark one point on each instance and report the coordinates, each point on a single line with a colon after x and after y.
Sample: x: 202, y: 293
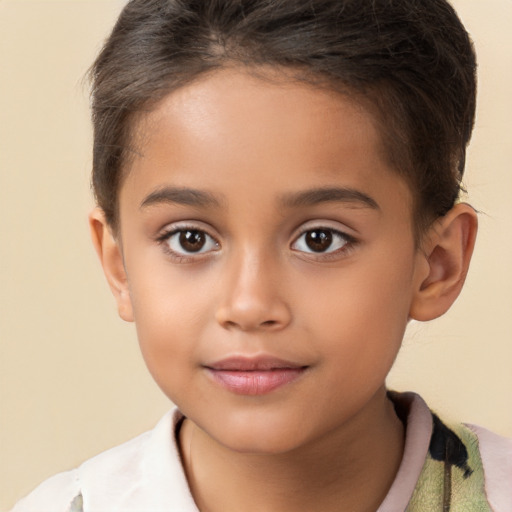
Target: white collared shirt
x: 146, y: 473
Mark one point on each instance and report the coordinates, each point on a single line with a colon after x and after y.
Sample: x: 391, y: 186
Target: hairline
x: 368, y: 98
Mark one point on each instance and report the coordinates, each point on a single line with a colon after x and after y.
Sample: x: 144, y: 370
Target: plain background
x: 72, y: 382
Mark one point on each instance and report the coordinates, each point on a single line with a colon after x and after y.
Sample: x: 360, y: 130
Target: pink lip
x: 254, y: 376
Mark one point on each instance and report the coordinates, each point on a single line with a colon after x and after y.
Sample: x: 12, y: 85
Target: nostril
x: 253, y: 315
x: 268, y: 324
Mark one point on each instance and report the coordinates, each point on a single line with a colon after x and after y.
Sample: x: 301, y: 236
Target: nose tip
x: 253, y: 299
x: 253, y: 315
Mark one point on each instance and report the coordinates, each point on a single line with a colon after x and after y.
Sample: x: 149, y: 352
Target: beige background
x: 71, y: 380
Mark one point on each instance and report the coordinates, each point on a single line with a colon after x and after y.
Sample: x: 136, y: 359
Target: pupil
x: 192, y: 241
x: 319, y: 240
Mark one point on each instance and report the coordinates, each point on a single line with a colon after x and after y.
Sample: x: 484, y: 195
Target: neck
x: 326, y: 475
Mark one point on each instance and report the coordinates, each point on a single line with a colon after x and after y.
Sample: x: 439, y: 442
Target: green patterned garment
x: 452, y: 479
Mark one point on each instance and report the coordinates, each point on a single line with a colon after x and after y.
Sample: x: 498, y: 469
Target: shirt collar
x: 147, y: 473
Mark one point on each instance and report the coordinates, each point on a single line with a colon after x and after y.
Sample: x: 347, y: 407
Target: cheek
x: 170, y: 315
x: 166, y: 340
x: 362, y: 313
x: 165, y: 298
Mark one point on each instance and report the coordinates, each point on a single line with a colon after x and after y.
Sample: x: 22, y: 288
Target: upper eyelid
x: 336, y: 224
x: 349, y: 238
x: 175, y: 227
x: 306, y: 227
x: 320, y: 227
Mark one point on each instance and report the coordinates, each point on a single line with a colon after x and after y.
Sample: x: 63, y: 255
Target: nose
x: 252, y: 297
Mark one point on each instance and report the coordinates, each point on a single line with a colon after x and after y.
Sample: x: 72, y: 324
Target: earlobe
x: 446, y: 254
x: 111, y: 259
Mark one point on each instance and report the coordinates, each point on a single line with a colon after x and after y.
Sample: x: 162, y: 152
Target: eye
x: 321, y: 240
x: 186, y: 242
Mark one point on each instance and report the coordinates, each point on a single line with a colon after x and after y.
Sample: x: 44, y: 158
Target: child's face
x: 260, y: 222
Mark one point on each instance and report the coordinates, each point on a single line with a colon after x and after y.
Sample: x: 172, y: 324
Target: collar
x: 147, y: 474
x: 418, y: 420
x: 144, y: 474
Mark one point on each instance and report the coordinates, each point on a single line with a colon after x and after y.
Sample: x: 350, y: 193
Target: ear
x: 446, y: 253
x: 111, y: 259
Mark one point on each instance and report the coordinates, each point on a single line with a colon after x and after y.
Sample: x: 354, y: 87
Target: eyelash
x: 348, y: 245
x: 166, y: 236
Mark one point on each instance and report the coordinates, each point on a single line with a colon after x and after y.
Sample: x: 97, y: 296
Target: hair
x: 411, y: 61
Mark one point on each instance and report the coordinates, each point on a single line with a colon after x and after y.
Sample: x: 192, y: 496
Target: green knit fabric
x: 464, y: 492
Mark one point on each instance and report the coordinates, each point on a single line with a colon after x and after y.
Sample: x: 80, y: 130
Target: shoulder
x: 446, y: 464
x: 130, y: 477
x: 54, y: 495
x: 60, y: 492
x: 496, y: 454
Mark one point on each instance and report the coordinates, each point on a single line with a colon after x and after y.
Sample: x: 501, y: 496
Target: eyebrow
x: 329, y: 194
x: 312, y: 197
x: 184, y: 196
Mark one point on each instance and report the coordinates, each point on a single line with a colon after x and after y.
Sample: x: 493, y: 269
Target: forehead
x: 234, y: 105
x: 236, y: 129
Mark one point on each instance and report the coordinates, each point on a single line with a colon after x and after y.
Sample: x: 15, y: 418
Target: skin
x: 256, y: 287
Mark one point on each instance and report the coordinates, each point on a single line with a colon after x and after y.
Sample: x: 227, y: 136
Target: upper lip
x: 261, y: 363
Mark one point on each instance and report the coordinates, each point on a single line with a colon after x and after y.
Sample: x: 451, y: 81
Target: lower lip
x: 256, y: 382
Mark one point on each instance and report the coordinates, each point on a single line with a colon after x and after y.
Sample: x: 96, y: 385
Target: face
x: 269, y: 256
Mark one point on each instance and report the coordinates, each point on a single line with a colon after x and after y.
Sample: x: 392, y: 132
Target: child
x: 277, y: 186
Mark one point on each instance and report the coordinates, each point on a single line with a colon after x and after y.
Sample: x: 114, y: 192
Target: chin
x: 259, y: 434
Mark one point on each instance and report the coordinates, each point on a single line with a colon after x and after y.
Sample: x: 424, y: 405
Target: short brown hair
x: 410, y: 59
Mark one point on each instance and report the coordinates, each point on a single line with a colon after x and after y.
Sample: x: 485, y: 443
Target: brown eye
x: 192, y: 241
x: 189, y: 242
x: 318, y: 240
x: 322, y: 240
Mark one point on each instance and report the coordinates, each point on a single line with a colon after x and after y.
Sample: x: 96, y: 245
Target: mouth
x: 255, y: 375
